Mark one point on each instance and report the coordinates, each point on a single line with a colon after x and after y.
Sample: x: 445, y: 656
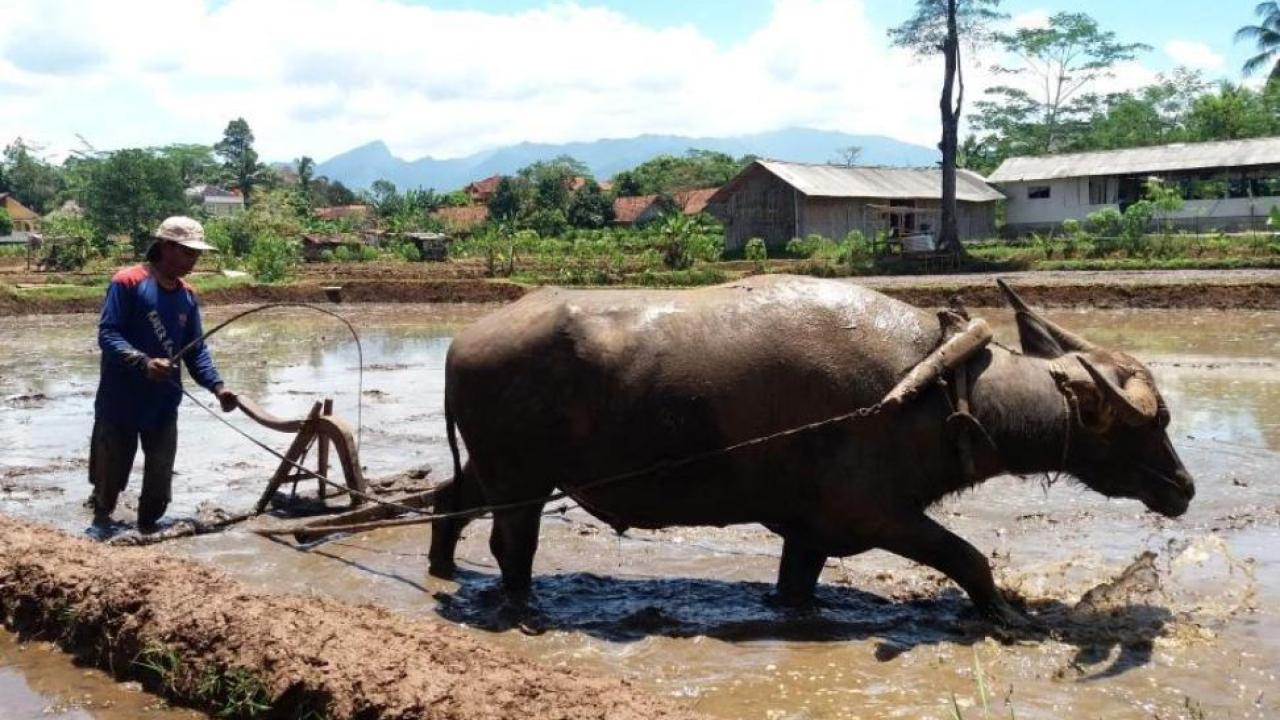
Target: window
x: 1098, y: 191
x: 1037, y: 192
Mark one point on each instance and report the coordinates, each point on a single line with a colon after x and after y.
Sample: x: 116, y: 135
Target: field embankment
x: 1254, y: 289
x: 202, y: 639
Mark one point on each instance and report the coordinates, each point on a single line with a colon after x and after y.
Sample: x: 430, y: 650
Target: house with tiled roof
x: 644, y: 208
x: 481, y: 191
x: 24, y: 219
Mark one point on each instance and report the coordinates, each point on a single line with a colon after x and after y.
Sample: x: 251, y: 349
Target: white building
x: 1227, y: 185
x: 216, y: 201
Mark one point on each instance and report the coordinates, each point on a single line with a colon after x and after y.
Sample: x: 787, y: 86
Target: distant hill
x: 360, y: 167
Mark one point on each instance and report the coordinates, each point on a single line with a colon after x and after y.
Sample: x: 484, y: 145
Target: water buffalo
x: 566, y: 386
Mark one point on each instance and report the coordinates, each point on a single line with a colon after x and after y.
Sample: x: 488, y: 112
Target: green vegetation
x: 756, y: 252
x: 670, y: 174
x: 983, y: 692
x: 1266, y: 38
x: 6, y: 222
x: 1070, y: 56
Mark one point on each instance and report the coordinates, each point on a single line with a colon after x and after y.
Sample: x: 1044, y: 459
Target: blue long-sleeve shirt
x: 141, y: 320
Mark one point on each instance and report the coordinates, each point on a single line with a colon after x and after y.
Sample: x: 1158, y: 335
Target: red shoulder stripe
x: 131, y: 276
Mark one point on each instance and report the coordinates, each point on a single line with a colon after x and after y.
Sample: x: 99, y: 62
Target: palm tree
x: 1267, y: 36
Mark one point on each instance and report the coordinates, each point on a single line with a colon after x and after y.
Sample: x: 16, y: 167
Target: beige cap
x: 184, y: 231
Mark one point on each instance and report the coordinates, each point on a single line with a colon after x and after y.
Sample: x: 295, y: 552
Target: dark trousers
x: 111, y: 452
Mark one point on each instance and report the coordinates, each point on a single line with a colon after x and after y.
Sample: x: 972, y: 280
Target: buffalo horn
x: 1136, y: 401
x: 1069, y: 341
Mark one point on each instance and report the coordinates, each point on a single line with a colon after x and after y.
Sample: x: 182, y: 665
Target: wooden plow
x: 327, y: 432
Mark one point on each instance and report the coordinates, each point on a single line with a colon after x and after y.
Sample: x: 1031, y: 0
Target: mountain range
x: 360, y: 167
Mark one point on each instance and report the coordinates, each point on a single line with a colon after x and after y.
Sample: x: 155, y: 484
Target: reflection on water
x: 684, y: 611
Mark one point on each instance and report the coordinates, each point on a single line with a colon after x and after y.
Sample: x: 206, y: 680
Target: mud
x: 182, y: 628
x: 1191, y: 631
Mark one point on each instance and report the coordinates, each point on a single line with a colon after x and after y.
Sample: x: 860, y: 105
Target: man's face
x: 177, y: 260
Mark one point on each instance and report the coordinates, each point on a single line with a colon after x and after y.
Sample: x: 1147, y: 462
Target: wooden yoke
x: 951, y: 354
x: 319, y: 425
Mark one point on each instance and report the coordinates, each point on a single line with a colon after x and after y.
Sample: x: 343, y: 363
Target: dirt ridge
x: 201, y: 638
x: 1223, y: 291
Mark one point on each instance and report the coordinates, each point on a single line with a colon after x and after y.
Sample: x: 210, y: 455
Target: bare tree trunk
x: 949, y: 235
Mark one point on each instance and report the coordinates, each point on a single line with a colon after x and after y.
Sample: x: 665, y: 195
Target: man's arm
x: 115, y: 309
x: 200, y: 363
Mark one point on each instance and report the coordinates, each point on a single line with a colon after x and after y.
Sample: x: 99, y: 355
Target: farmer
x: 150, y: 314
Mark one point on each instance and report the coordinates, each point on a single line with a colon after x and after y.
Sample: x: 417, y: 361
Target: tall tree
x: 1266, y: 37
x: 306, y: 174
x: 508, y: 200
x: 671, y: 173
x: 34, y: 181
x: 848, y: 155
x: 239, y: 159
x: 940, y: 26
x: 590, y: 207
x: 195, y: 163
x: 1234, y: 112
x: 131, y: 191
x: 1064, y: 60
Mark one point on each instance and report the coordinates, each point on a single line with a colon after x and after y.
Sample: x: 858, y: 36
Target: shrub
x: 807, y: 246
x: 65, y: 254
x: 406, y: 251
x: 755, y: 251
x: 272, y: 257
x: 6, y: 222
x: 1107, y: 222
x: 1136, y: 219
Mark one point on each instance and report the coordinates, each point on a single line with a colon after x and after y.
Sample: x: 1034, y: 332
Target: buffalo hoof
x: 1008, y: 619
x: 792, y: 601
x: 443, y: 569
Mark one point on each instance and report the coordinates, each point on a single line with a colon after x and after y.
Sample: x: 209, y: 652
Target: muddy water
x: 683, y: 611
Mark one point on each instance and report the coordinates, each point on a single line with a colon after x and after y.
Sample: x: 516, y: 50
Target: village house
x: 24, y: 219
x: 640, y: 209
x: 480, y: 191
x: 1227, y: 185
x: 215, y: 201
x: 777, y: 201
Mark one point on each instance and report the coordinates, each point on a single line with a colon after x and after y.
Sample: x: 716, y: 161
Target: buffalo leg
x: 923, y: 540
x: 445, y: 533
x: 514, y: 541
x: 798, y: 573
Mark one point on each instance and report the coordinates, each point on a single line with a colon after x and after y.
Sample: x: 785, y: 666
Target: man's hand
x: 226, y: 398
x: 159, y: 369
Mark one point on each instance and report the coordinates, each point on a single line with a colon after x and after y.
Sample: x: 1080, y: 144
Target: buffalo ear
x: 1036, y: 339
x: 1041, y: 337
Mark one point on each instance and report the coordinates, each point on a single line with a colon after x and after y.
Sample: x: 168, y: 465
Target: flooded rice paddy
x: 1196, y: 633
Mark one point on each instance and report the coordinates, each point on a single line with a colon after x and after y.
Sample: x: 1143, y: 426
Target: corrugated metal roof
x: 878, y: 182
x: 1157, y: 158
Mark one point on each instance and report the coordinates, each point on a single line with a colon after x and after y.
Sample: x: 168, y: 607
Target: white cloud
x: 318, y: 77
x: 1194, y: 54
x: 1030, y: 19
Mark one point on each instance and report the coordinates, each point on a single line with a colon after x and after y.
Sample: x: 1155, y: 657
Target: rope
x: 269, y: 306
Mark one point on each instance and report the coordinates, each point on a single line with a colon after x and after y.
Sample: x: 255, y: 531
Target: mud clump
x: 202, y: 639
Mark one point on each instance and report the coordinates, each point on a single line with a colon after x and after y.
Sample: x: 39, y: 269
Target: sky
x: 447, y: 78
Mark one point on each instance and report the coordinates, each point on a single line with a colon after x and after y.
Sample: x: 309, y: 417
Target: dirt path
x: 203, y: 639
